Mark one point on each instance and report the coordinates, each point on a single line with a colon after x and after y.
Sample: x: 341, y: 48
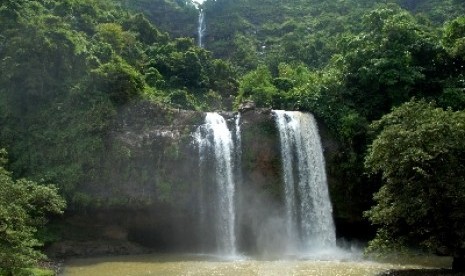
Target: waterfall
x: 215, y: 138
x: 238, y: 147
x: 202, y: 191
x: 285, y: 131
x: 201, y: 27
x: 307, y: 204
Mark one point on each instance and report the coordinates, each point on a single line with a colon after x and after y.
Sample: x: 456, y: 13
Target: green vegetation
x: 70, y: 68
x: 24, y: 206
x: 177, y: 17
x: 351, y: 63
x: 419, y: 153
x: 29, y: 272
x: 348, y: 62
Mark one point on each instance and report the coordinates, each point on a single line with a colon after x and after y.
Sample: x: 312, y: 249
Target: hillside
x: 69, y: 67
x: 74, y: 72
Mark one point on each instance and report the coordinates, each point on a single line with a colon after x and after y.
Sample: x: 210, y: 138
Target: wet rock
x: 66, y: 249
x: 247, y: 106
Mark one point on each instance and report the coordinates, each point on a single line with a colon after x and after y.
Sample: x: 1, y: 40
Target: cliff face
x: 148, y: 193
x: 144, y: 191
x: 150, y: 158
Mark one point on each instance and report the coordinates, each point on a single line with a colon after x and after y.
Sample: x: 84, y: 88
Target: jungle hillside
x: 385, y: 77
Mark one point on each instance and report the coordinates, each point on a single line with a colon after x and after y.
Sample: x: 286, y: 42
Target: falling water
x: 201, y: 27
x: 307, y: 203
x: 288, y: 175
x: 201, y: 191
x: 238, y: 147
x: 215, y: 136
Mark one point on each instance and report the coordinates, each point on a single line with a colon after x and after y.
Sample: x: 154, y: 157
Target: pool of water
x: 156, y: 264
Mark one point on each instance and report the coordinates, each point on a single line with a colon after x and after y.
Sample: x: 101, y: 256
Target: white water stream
x: 310, y: 224
x: 201, y: 25
x: 216, y: 135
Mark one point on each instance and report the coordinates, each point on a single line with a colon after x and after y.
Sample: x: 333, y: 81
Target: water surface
x: 209, y: 265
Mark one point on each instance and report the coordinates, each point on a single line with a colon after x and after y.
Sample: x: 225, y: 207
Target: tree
x: 420, y: 154
x: 454, y: 37
x: 24, y: 206
x: 120, y: 80
x: 258, y: 87
x: 379, y: 61
x: 453, y: 41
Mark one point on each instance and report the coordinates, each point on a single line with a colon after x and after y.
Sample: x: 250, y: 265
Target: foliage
x: 72, y: 66
x: 419, y: 152
x: 302, y: 31
x: 167, y: 15
x: 454, y: 39
x: 382, y: 61
x: 351, y: 73
x: 257, y: 86
x: 29, y: 272
x: 24, y: 206
x: 119, y: 80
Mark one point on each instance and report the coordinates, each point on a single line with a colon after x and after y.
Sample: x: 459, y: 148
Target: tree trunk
x: 458, y: 263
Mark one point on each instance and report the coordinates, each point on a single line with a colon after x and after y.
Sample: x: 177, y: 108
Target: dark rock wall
x: 148, y: 192
x: 259, y: 203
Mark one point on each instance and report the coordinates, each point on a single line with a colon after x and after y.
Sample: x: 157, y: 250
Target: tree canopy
x: 69, y: 68
x: 420, y: 154
x: 24, y: 206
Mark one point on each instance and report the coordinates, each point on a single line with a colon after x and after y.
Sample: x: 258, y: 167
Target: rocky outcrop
x: 67, y: 249
x: 149, y: 159
x: 146, y: 194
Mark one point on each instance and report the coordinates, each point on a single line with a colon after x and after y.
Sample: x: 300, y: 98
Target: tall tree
x: 381, y: 71
x: 420, y: 154
x: 24, y: 206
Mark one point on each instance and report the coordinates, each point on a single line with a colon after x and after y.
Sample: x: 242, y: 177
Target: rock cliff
x: 147, y: 195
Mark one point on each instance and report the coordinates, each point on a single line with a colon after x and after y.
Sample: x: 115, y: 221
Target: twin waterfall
x: 307, y: 212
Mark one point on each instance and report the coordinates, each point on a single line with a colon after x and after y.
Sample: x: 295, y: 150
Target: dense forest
x: 386, y: 77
